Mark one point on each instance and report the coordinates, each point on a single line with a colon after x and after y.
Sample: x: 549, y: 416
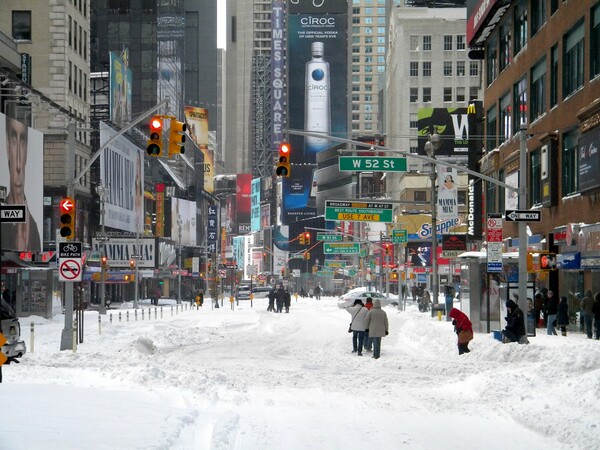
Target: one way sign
x: 12, y: 214
x: 514, y: 215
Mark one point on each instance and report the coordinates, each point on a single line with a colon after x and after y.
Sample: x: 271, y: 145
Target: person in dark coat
x: 587, y: 306
x: 463, y: 328
x: 550, y: 312
x: 562, y: 316
x: 272, y: 295
x: 596, y: 311
x: 280, y: 299
x: 537, y: 306
x: 515, y: 325
x: 287, y: 300
x: 317, y: 292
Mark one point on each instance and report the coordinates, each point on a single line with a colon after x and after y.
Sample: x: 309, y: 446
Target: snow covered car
x: 361, y: 293
x: 261, y: 291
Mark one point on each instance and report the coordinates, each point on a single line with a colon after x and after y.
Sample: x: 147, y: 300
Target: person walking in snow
x: 596, y: 311
x: 550, y: 313
x: 463, y: 328
x: 271, y: 296
x: 368, y: 342
x: 377, y: 325
x: 287, y: 300
x: 357, y: 325
x: 280, y: 299
x: 587, y: 306
x: 562, y: 316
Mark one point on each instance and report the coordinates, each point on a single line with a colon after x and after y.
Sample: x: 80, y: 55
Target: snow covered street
x: 251, y: 379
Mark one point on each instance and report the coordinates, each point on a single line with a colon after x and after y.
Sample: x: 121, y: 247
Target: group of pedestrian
x: 279, y: 299
x: 368, y: 325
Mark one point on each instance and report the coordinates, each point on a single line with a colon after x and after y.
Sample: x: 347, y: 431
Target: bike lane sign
x: 69, y: 265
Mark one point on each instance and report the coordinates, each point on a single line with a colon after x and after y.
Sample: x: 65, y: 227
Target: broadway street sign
x: 372, y: 163
x: 358, y: 211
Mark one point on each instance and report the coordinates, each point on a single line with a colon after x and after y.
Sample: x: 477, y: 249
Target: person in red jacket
x: 463, y: 328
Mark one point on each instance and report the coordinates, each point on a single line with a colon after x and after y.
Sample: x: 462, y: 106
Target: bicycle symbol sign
x: 69, y: 250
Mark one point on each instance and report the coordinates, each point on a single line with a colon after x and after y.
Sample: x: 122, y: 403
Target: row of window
x: 368, y: 2
x: 368, y: 69
x: 78, y: 81
x: 369, y: 59
x: 457, y: 94
x: 368, y: 20
x: 450, y: 68
x: 449, y: 43
x: 77, y: 38
x: 368, y: 30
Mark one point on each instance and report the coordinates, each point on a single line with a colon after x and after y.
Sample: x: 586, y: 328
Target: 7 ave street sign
x: 515, y: 215
x: 372, y: 163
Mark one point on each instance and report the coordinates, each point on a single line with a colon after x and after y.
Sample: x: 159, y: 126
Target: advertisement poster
x: 120, y: 88
x: 452, y: 124
x: 447, y: 194
x: 255, y: 205
x: 197, y: 124
x: 184, y: 211
x: 21, y: 169
x: 122, y: 173
x: 242, y: 201
x: 317, y: 89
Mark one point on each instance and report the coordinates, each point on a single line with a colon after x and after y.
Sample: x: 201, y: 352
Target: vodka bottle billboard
x: 317, y: 114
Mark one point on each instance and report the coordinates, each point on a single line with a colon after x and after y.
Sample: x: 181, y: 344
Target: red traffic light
x: 155, y: 124
x: 283, y: 163
x: 284, y: 148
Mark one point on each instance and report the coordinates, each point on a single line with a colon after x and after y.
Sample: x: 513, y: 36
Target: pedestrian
x: 271, y: 296
x: 596, y: 311
x: 515, y: 325
x: 587, y: 309
x: 200, y: 298
x: 279, y: 299
x: 357, y: 325
x: 463, y: 328
x: 317, y: 292
x: 368, y: 342
x: 287, y: 299
x: 562, y: 316
x: 537, y: 306
x: 550, y: 313
x: 377, y: 325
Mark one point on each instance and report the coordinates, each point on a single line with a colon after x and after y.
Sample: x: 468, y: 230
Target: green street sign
x: 341, y: 249
x: 325, y: 273
x: 329, y: 237
x: 372, y: 163
x: 399, y: 236
x: 358, y: 211
x: 352, y: 272
x: 336, y: 264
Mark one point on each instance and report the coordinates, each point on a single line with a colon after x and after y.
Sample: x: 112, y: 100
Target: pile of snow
x: 245, y: 378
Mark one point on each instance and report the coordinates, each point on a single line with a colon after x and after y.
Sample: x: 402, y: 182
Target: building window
x: 473, y: 92
x: 473, y: 68
x: 553, y: 6
x: 461, y: 197
x: 554, y: 75
x: 520, y: 101
x: 535, y: 178
x: 595, y: 42
x: 426, y: 68
x: 460, y: 94
x: 447, y: 68
x: 21, y: 25
x: 538, y: 15
x: 537, y: 104
x: 447, y: 42
x: 570, y: 179
x: 426, y: 95
x: 70, y: 31
x: 414, y: 121
x: 505, y: 118
x: 573, y: 60
x: 460, y: 42
x: 520, y: 21
x: 492, y: 61
x: 414, y: 43
x: 490, y: 197
x: 414, y: 95
x: 491, y: 131
x: 420, y: 196
x: 427, y: 43
x: 414, y: 68
x: 505, y: 45
x: 460, y: 68
x: 413, y: 145
x: 447, y: 94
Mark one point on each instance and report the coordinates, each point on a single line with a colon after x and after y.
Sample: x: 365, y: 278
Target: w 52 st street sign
x: 372, y: 163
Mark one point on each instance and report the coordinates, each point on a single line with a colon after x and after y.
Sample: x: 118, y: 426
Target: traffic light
x: 387, y: 248
x: 394, y: 275
x: 104, y: 262
x: 307, y: 237
x: 264, y: 256
x: 177, y: 138
x: 529, y: 262
x: 283, y: 163
x: 209, y: 267
x: 132, y: 263
x: 283, y: 272
x: 301, y: 239
x: 306, y: 255
x: 548, y: 261
x: 154, y: 146
x: 67, y: 217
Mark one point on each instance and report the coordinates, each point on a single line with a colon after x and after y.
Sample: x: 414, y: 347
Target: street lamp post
x: 179, y: 223
x: 102, y: 192
x: 430, y: 147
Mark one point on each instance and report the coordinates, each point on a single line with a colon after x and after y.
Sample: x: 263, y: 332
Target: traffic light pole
x: 523, y: 238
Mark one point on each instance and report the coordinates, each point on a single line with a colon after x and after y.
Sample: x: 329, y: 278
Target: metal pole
x: 523, y: 225
x: 179, y: 223
x: 434, y: 262
x: 102, y: 193
x: 66, y: 339
x: 136, y: 258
